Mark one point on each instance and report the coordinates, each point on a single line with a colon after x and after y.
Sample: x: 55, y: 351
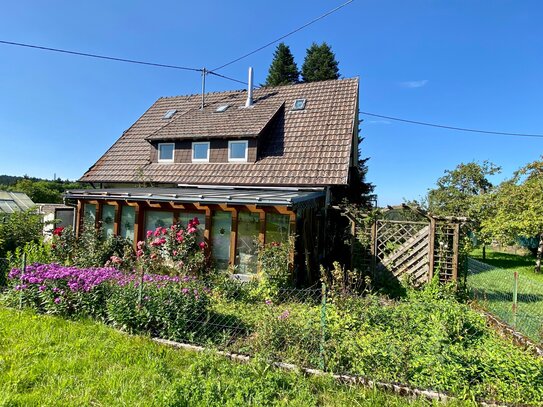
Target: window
x: 89, y: 213
x: 247, y: 244
x: 128, y: 218
x: 166, y: 152
x: 299, y: 104
x: 169, y: 114
x: 222, y: 108
x: 200, y: 152
x: 277, y: 228
x: 156, y: 219
x: 237, y: 151
x: 108, y: 220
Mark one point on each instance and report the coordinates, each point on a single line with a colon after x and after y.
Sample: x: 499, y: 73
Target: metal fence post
x: 322, y: 364
x: 515, y: 295
x: 140, y: 288
x: 23, y: 271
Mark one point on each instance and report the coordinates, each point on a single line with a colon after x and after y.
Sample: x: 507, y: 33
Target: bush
x: 18, y: 229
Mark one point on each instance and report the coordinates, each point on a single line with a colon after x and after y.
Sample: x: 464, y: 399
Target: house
x: 253, y: 166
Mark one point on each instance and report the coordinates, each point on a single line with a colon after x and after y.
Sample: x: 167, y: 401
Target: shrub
x: 18, y: 229
x: 173, y: 250
x: 275, y: 269
x: 36, y: 252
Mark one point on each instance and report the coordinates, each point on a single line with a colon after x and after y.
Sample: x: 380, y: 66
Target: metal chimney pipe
x: 249, y: 101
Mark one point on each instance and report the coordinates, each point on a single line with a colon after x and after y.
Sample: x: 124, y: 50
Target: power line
x: 284, y: 36
x: 226, y: 77
x: 84, y: 54
x: 501, y: 133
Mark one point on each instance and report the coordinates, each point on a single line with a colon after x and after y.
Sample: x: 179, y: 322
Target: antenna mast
x: 204, y: 73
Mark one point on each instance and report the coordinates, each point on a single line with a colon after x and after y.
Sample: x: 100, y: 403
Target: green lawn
x: 494, y: 289
x: 49, y: 361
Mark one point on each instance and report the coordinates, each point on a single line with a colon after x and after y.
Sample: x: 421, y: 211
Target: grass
x: 49, y: 361
x: 495, y: 290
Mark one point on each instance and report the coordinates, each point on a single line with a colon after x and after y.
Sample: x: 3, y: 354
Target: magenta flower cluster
x: 82, y: 280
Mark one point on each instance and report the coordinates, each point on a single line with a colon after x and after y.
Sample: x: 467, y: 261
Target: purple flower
x: 284, y: 315
x: 57, y: 300
x: 42, y: 288
x: 185, y: 290
x: 268, y: 302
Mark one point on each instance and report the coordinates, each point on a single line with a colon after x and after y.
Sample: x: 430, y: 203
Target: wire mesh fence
x: 513, y: 297
x: 4, y: 269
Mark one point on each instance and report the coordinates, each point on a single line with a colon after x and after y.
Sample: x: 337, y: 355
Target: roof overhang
x: 262, y: 197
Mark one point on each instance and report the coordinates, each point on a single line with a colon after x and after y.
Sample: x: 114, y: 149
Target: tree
x: 320, y: 64
x: 463, y: 192
x: 19, y: 228
x: 283, y: 70
x: 517, y: 208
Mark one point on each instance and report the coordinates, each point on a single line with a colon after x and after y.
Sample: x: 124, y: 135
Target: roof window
x: 222, y: 108
x: 169, y: 114
x: 299, y: 104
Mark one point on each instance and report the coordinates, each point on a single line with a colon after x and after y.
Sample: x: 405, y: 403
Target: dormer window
x: 200, y: 152
x: 237, y: 150
x: 166, y: 152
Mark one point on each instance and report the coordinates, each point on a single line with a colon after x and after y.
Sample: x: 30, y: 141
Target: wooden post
x: 292, y: 231
x: 78, y: 218
x: 373, y: 248
x: 234, y: 237
x: 456, y: 240
x: 138, y: 224
x: 117, y: 221
x: 431, y: 248
x: 98, y: 215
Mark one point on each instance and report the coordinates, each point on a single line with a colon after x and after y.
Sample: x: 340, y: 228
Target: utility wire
x: 501, y: 133
x: 84, y: 54
x: 283, y: 36
x: 226, y: 77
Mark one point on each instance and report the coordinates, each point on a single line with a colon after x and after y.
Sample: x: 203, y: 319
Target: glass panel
x: 165, y: 151
x: 277, y: 228
x: 108, y: 220
x: 238, y: 150
x: 200, y: 151
x: 248, y: 229
x: 128, y: 219
x: 184, y: 218
x: 89, y: 213
x: 220, y: 238
x: 155, y: 219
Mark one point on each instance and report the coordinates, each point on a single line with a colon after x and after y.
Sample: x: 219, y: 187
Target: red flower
x: 202, y: 245
x: 58, y: 231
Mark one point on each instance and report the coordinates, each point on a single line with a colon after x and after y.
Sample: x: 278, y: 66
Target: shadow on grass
x: 506, y: 260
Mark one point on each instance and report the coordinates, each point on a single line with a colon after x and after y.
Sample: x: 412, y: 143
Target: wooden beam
x: 176, y: 205
x: 233, y: 237
x: 78, y: 217
x: 431, y: 248
x: 153, y: 205
x: 262, y: 231
x: 292, y: 230
x: 117, y: 221
x: 456, y: 242
x: 138, y: 224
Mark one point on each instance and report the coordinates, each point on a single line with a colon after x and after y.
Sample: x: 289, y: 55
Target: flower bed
x: 162, y: 306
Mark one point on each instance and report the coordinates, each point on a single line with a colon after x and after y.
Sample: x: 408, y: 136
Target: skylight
x: 299, y: 104
x: 169, y: 114
x: 222, y: 108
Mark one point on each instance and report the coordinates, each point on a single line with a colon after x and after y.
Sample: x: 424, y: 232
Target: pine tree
x: 283, y: 69
x: 320, y: 64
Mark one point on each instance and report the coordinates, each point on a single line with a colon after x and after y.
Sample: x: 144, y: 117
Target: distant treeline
x: 38, y: 189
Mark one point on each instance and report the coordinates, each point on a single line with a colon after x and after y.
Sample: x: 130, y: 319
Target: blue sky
x: 469, y: 63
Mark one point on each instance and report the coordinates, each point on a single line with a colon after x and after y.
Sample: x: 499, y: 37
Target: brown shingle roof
x: 300, y: 148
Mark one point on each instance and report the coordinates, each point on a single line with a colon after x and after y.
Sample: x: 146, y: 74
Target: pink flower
x: 284, y: 315
x: 116, y: 260
x: 164, y: 231
x: 195, y: 221
x: 149, y: 233
x: 157, y: 241
x: 157, y: 231
x: 139, y: 253
x: 172, y: 227
x: 153, y: 256
x: 141, y: 243
x: 191, y: 230
x: 179, y: 239
x: 174, y: 252
x: 202, y: 245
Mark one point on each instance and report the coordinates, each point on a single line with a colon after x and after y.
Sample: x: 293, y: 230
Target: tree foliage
x: 283, y: 70
x: 19, y: 228
x: 39, y: 190
x: 320, y: 64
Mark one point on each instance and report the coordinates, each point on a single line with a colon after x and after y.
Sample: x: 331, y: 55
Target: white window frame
x: 168, y: 160
x: 200, y: 160
x: 239, y: 160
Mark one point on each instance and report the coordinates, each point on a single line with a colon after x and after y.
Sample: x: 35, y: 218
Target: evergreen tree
x: 320, y: 64
x: 283, y: 69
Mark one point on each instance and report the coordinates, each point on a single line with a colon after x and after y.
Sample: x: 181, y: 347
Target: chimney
x: 249, y: 101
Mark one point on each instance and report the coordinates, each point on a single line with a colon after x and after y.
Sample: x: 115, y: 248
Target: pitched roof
x: 299, y: 148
